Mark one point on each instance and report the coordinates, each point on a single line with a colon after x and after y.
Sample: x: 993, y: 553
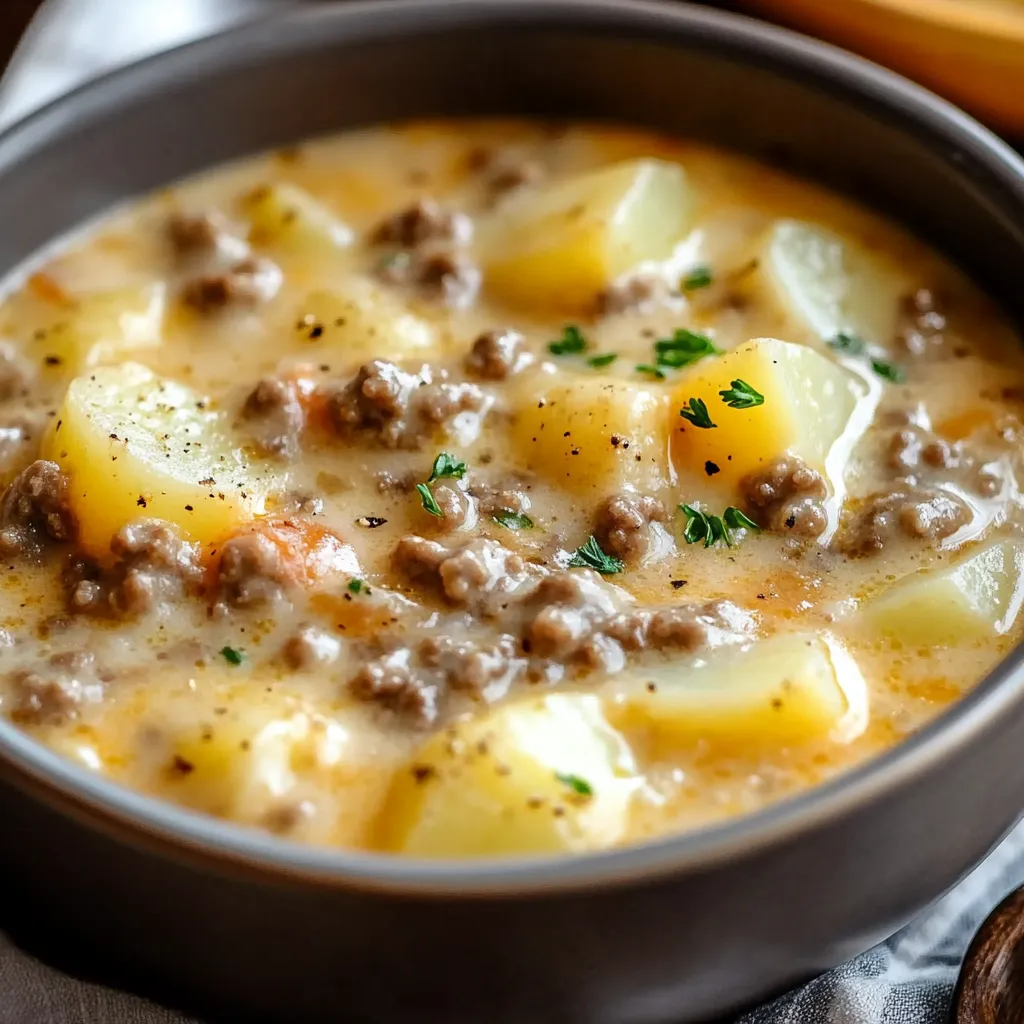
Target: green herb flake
x: 427, y: 497
x: 578, y: 785
x: 848, y: 343
x: 740, y: 395
x: 512, y: 520
x: 696, y: 412
x: 698, y: 277
x: 590, y: 556
x: 232, y: 655
x: 446, y: 466
x: 652, y: 370
x: 570, y: 343
x: 604, y: 359
x: 889, y: 371
x: 737, y: 520
x: 356, y: 586
x: 684, y: 348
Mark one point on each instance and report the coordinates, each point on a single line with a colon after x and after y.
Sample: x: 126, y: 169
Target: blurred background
x: 972, y: 51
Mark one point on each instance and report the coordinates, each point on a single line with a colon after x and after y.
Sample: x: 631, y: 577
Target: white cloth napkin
x: 907, y: 980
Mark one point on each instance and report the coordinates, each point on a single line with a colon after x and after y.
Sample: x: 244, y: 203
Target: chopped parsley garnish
x: 698, y: 277
x: 740, y: 395
x: 854, y: 346
x: 590, y: 556
x: 355, y: 586
x: 513, y: 520
x: 578, y: 785
x: 570, y: 343
x: 889, y: 371
x: 737, y: 520
x: 446, y: 465
x: 427, y: 497
x: 652, y: 370
x: 848, y: 343
x: 709, y: 530
x: 232, y: 655
x: 696, y: 412
x: 604, y: 359
x: 683, y: 349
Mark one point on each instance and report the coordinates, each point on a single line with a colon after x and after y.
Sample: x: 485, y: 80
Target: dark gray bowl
x: 232, y: 921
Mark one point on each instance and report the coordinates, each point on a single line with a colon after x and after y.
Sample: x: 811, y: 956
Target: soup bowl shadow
x: 236, y: 922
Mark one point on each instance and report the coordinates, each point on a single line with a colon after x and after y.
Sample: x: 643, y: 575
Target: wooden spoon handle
x: 990, y: 989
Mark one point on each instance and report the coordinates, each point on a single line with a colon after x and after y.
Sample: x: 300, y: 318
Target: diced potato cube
x: 541, y: 776
x: 287, y: 217
x: 135, y: 444
x: 104, y: 328
x: 824, y: 285
x: 558, y: 247
x: 589, y: 433
x: 245, y: 764
x: 786, y: 689
x: 361, y: 321
x: 813, y: 408
x: 981, y: 597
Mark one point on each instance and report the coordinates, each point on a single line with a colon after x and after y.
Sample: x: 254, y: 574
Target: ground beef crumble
x: 623, y: 524
x: 248, y: 283
x: 787, y: 496
x: 275, y: 417
x: 251, y: 573
x: 56, y: 691
x: 893, y: 517
x: 399, y: 409
x: 155, y: 570
x: 424, y: 221
x: 36, y: 508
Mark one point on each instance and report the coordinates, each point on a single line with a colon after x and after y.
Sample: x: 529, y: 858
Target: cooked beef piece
x: 495, y: 355
x: 424, y: 221
x: 390, y: 682
x: 912, y: 448
x: 297, y: 503
x: 786, y: 497
x: 505, y: 495
x: 55, y: 692
x: 310, y: 647
x: 401, y: 409
x: 894, y: 516
x: 252, y: 573
x: 623, y: 525
x: 468, y: 665
x: 439, y: 274
x: 16, y: 373
x: 203, y: 236
x: 638, y: 292
x: 477, y: 574
x: 34, y: 508
x: 458, y: 509
x: 275, y: 417
x: 248, y: 283
x: 922, y: 323
x: 155, y: 570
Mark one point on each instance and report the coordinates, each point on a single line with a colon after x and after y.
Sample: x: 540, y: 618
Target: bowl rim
x: 210, y: 842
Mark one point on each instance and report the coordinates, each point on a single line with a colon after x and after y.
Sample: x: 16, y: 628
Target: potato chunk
x: 243, y: 765
x: 542, y: 776
x: 981, y: 597
x: 287, y: 217
x: 787, y: 689
x: 105, y: 327
x: 135, y: 444
x: 823, y: 285
x: 594, y: 434
x: 813, y: 408
x: 360, y: 321
x: 557, y: 247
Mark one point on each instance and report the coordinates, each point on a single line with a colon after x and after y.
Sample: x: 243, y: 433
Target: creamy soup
x: 471, y: 489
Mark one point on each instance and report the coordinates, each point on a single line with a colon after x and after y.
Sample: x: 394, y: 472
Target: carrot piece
x: 47, y: 289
